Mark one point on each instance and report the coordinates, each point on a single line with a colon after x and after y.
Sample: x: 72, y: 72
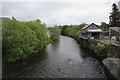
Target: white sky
x: 54, y: 12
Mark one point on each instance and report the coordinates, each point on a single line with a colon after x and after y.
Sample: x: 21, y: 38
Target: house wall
x: 84, y: 35
x: 113, y: 33
x: 99, y: 35
x: 88, y: 33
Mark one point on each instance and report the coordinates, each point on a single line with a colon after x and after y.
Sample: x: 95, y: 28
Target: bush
x: 91, y: 41
x: 100, y: 50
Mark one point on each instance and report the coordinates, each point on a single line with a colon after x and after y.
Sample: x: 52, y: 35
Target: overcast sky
x: 59, y: 12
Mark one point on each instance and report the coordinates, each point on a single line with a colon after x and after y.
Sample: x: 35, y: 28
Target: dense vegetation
x: 22, y: 38
x: 55, y: 33
x: 104, y: 26
x: 72, y: 30
x: 100, y: 50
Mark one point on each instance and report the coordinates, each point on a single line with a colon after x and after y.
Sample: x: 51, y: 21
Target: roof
x: 117, y: 29
x: 91, y: 25
x: 94, y: 30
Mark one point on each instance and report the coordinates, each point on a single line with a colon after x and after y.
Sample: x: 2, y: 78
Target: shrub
x: 100, y: 50
x: 91, y: 41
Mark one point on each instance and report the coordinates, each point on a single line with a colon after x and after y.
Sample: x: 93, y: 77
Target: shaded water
x: 61, y: 59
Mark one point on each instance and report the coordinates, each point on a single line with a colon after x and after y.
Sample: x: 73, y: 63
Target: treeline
x: 23, y: 38
x: 54, y: 32
x: 71, y: 30
x: 74, y: 30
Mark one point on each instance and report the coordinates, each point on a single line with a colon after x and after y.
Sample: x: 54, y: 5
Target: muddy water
x: 61, y: 59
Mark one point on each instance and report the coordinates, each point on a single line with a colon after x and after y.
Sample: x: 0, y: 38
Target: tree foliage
x: 40, y: 31
x: 115, y: 16
x: 72, y: 30
x: 104, y: 26
x: 55, y: 33
x: 22, y: 38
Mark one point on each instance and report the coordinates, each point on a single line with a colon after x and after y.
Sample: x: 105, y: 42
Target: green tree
x: 55, y: 33
x: 63, y: 30
x: 18, y: 40
x: 82, y: 25
x: 104, y: 26
x: 114, y: 17
x: 72, y: 30
x: 40, y: 31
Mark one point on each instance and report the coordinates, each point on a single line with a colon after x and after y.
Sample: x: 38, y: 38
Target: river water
x: 61, y: 59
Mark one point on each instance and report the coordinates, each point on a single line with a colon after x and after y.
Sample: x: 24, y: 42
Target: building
x: 92, y: 31
x: 114, y: 32
x: 3, y: 18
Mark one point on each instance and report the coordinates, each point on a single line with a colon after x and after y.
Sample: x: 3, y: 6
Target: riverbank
x: 110, y: 60
x: 109, y: 51
x: 60, y: 59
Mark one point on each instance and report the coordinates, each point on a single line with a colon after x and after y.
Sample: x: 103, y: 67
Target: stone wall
x: 113, y: 51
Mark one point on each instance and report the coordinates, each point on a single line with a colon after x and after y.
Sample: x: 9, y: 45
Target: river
x: 61, y: 59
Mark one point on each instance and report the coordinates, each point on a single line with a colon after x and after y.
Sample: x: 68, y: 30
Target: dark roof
x: 117, y: 29
x: 90, y: 25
